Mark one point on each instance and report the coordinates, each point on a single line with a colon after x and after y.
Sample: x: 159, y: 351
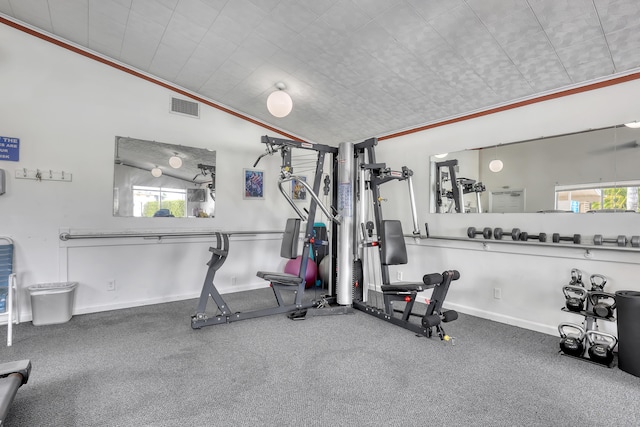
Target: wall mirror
x: 154, y: 179
x: 578, y: 172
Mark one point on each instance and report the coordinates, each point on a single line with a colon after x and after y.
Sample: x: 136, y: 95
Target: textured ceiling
x: 354, y: 68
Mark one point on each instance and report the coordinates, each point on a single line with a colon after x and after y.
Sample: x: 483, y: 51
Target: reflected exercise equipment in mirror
x: 591, y: 171
x: 154, y: 179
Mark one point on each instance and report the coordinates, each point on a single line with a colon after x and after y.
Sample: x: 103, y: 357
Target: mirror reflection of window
x: 159, y: 202
x: 154, y: 179
x: 608, y: 197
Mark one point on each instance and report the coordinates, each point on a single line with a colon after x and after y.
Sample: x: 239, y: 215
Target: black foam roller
x: 432, y: 279
x: 628, y: 308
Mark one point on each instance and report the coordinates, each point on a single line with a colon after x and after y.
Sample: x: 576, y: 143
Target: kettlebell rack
x: 587, y: 303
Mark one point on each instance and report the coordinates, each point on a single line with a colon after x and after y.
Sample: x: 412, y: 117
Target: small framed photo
x: 253, y: 184
x: 298, y: 191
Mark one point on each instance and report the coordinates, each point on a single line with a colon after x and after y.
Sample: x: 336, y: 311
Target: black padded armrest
x: 22, y: 367
x: 402, y: 287
x: 280, y: 278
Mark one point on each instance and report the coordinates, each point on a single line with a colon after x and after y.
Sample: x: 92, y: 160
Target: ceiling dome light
x: 633, y: 125
x: 175, y: 161
x: 279, y: 103
x: 496, y: 165
x: 157, y: 172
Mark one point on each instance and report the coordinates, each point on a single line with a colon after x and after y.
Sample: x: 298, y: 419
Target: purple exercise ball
x: 293, y: 267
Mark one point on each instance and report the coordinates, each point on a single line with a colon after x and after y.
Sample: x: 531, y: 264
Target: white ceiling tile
x: 34, y: 12
x: 521, y: 24
x: 5, y: 7
x: 590, y: 70
x: 266, y: 5
x: 197, y: 12
x: 497, y: 11
x: 624, y: 48
x: 345, y: 16
x: 232, y: 27
x: 320, y: 34
x: 168, y: 61
x: 618, y: 14
x: 70, y: 19
x: 401, y: 20
x: 111, y: 10
x: 432, y: 9
x: 544, y: 73
x: 181, y: 28
x: 584, y: 51
x: 375, y: 8
x: 320, y: 6
x: 294, y: 15
x: 153, y: 11
x: 534, y: 46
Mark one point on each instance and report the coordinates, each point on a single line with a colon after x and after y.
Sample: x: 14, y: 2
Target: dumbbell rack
x: 590, y: 320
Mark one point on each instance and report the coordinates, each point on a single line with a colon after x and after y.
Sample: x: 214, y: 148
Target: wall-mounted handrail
x: 68, y: 236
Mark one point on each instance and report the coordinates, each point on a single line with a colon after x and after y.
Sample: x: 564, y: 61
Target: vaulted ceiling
x: 354, y: 68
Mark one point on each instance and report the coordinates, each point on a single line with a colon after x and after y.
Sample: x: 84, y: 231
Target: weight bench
x: 279, y: 281
x: 13, y: 375
x: 393, y: 251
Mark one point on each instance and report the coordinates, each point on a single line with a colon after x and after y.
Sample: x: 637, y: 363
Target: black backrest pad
x: 394, y: 251
x: 289, y: 248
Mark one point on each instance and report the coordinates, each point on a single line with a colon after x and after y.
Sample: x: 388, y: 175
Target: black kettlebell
x: 601, y: 346
x: 576, y: 278
x: 575, y: 297
x: 571, y: 343
x: 600, y: 305
x: 597, y: 282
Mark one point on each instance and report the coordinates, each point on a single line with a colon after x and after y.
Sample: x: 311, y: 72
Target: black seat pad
x: 403, y: 287
x: 279, y: 277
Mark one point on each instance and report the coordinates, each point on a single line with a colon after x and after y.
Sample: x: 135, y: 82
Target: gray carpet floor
x: 146, y: 367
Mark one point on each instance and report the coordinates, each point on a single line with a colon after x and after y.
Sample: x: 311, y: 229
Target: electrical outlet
x: 233, y: 280
x: 399, y: 275
x: 111, y: 285
x: 497, y: 293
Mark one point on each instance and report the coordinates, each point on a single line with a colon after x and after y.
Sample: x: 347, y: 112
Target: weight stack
x: 628, y: 313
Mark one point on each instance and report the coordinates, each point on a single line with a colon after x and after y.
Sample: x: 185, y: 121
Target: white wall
x: 530, y: 275
x: 66, y: 110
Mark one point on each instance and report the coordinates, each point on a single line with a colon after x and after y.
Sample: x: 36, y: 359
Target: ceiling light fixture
x: 496, y: 165
x: 633, y: 125
x: 175, y: 161
x: 279, y: 103
x: 157, y: 172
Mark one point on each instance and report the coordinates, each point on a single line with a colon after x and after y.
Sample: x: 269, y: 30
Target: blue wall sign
x: 9, y: 148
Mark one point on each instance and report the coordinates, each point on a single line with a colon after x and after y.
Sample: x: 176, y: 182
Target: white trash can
x: 52, y: 303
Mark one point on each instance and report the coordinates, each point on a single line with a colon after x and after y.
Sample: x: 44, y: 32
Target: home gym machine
x: 446, y: 173
x: 279, y: 281
x: 356, y: 236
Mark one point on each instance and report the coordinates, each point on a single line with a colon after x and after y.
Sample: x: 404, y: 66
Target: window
x: 158, y: 201
x: 619, y: 196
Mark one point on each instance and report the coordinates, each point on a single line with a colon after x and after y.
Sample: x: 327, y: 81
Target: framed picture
x: 253, y: 183
x: 298, y: 191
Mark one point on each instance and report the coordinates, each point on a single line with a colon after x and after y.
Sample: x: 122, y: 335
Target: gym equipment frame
x: 459, y: 187
x: 392, y: 249
x: 279, y: 281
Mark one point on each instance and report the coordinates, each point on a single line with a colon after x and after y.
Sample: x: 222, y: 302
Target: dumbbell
x: 472, y: 232
x: 526, y: 236
x: 635, y: 241
x: 620, y: 240
x: 558, y: 238
x: 499, y: 232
